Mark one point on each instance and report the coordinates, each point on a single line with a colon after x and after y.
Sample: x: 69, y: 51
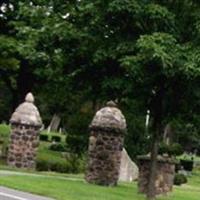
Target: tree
x: 83, y: 53
x: 146, y: 48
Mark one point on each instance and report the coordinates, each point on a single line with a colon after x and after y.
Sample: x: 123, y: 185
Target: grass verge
x: 67, y: 189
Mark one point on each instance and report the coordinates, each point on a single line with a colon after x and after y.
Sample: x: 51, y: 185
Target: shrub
x: 56, y: 138
x: 187, y: 164
x: 76, y: 143
x: 73, y: 164
x: 57, y: 166
x: 51, y: 164
x: 173, y: 149
x: 57, y: 147
x: 180, y: 179
x: 42, y: 165
x: 44, y: 137
x: 4, y: 131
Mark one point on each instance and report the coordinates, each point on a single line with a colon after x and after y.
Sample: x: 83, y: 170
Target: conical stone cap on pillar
x: 27, y: 113
x: 109, y: 117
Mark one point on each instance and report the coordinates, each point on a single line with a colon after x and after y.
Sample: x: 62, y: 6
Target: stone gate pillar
x: 105, y: 145
x: 24, y: 139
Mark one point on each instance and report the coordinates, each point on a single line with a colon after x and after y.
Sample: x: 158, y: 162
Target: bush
x: 56, y: 138
x: 44, y: 137
x: 57, y: 147
x: 187, y: 164
x: 51, y: 164
x: 4, y: 130
x: 76, y: 143
x: 180, y: 179
x: 62, y: 166
x: 173, y: 149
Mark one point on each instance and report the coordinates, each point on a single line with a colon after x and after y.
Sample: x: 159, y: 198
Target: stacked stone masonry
x: 23, y: 146
x: 164, y: 176
x: 24, y: 138
x: 105, y: 146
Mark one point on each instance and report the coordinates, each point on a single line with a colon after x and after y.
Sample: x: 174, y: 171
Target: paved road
x: 10, y: 194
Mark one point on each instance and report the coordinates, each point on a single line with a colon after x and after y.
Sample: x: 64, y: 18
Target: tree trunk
x: 25, y: 80
x: 157, y: 111
x: 151, y: 193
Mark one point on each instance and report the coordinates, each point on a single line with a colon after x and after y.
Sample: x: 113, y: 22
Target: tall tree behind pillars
x: 25, y: 80
x: 151, y: 67
x: 157, y: 114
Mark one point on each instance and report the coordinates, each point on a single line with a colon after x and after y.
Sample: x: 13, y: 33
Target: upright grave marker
x: 105, y: 145
x: 24, y: 140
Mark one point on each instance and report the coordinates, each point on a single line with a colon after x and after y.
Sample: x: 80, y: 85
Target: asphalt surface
x: 10, y: 194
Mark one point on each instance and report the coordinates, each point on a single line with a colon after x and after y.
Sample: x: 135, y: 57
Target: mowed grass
x: 61, y: 189
x: 77, y: 189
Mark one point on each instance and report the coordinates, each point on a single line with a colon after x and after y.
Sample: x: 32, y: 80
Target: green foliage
x: 53, y: 160
x: 187, y: 164
x: 137, y: 137
x: 4, y: 139
x: 94, y: 51
x: 4, y: 131
x: 51, y: 135
x: 187, y: 134
x: 180, y: 179
x: 44, y: 137
x: 77, y: 137
x: 57, y: 147
x: 174, y: 149
x: 49, y: 164
x: 56, y: 138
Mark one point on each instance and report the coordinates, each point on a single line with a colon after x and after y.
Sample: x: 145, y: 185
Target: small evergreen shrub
x: 72, y: 164
x: 173, y: 149
x: 56, y: 138
x: 187, y: 164
x: 180, y: 179
x: 44, y: 137
x: 46, y: 164
x: 57, y: 147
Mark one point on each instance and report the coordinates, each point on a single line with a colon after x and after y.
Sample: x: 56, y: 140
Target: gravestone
x: 128, y: 169
x: 55, y: 122
x: 168, y: 134
x: 105, y: 145
x: 24, y: 139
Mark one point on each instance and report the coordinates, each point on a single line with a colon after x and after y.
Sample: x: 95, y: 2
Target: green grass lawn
x: 65, y: 189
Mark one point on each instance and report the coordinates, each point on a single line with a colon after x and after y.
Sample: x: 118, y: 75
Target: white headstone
x: 128, y: 170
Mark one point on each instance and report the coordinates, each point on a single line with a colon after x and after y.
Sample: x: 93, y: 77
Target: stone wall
x: 105, y: 146
x: 164, y: 178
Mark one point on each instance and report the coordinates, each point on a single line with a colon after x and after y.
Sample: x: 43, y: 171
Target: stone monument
x: 164, y: 175
x: 24, y: 139
x: 129, y: 171
x: 107, y: 131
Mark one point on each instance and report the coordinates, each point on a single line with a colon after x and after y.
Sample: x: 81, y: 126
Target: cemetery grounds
x: 62, y: 186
